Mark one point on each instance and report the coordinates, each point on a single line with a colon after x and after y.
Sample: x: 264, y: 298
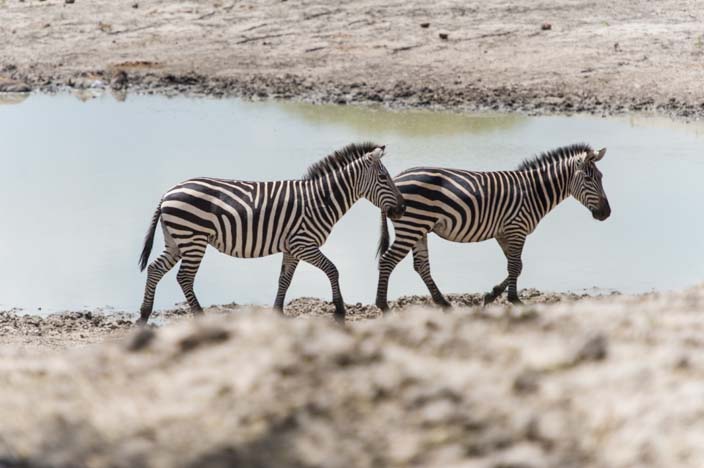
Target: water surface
x: 80, y: 181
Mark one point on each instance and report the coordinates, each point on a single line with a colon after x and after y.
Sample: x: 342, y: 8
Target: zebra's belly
x: 242, y: 252
x: 463, y: 233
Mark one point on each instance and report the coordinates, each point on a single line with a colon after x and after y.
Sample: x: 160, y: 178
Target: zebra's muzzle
x: 603, y: 212
x: 397, y: 211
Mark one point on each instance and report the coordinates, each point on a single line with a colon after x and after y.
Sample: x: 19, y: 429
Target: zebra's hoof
x: 489, y: 298
x: 140, y: 322
x: 339, y: 318
x: 515, y: 301
x: 384, y: 306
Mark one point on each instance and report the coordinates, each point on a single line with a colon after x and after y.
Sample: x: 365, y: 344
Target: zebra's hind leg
x: 513, y: 249
x: 421, y: 264
x: 192, y: 252
x: 156, y: 270
x: 313, y: 255
x: 288, y: 268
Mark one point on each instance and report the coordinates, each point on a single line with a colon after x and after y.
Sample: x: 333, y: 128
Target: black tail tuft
x: 149, y: 240
x: 384, y: 238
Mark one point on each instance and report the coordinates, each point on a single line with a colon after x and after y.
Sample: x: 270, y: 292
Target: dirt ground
x: 520, y: 55
x: 563, y: 382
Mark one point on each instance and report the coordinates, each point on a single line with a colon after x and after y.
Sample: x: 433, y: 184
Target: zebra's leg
x: 421, y: 264
x: 495, y: 292
x: 156, y: 270
x: 288, y: 268
x: 513, y: 249
x: 192, y: 252
x: 388, y: 261
x: 313, y: 255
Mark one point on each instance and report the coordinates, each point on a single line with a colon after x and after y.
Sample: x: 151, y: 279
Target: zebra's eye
x: 382, y: 177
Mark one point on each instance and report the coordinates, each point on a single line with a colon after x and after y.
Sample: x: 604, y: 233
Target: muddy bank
x: 612, y: 381
x: 90, y: 326
x: 566, y: 56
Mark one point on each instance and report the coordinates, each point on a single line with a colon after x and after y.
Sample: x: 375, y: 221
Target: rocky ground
x: 536, y: 57
x: 564, y: 381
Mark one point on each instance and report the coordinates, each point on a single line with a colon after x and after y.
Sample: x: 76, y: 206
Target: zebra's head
x: 377, y: 186
x: 586, y: 185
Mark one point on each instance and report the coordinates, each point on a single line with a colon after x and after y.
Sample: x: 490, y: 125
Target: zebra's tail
x: 149, y: 240
x: 384, y: 238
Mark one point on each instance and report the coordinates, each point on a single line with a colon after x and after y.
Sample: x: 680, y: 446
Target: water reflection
x: 12, y: 98
x: 411, y: 123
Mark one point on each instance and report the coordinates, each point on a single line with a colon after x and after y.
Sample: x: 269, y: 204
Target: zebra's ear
x: 595, y: 156
x: 377, y: 153
x: 598, y: 155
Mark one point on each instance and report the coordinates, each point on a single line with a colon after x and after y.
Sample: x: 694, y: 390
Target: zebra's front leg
x: 513, y: 249
x: 288, y: 268
x: 313, y: 255
x: 495, y: 292
x: 421, y: 264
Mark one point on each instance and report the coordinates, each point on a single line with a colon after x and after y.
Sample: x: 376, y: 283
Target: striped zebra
x: 465, y: 206
x: 255, y: 219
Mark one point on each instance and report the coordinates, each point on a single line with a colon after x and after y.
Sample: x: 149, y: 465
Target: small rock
x: 546, y: 27
x: 424, y: 25
x: 683, y: 363
x: 594, y: 349
x: 135, y: 5
x: 526, y: 382
x: 119, y: 80
x: 69, y: 2
x: 141, y: 339
x: 203, y: 335
x: 444, y: 36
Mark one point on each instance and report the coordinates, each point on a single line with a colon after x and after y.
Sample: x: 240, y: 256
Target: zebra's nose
x: 397, y: 211
x: 603, y: 212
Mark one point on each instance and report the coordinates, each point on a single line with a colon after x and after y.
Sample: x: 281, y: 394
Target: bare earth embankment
x: 560, y: 56
x: 599, y: 382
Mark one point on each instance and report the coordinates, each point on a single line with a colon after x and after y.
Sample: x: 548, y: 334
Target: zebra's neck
x: 548, y: 185
x: 333, y: 194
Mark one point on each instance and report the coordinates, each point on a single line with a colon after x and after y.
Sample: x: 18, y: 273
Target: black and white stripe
x: 466, y: 206
x: 255, y: 219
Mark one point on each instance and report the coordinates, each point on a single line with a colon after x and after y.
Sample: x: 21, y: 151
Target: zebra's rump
x: 242, y: 219
x: 462, y: 206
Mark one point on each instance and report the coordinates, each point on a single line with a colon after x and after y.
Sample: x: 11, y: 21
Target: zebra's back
x: 239, y: 218
x: 461, y: 205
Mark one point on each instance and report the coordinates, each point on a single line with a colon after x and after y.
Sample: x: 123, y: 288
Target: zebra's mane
x: 554, y: 155
x: 339, y: 159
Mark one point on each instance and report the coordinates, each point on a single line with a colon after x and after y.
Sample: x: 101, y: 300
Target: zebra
x: 466, y: 206
x: 256, y: 219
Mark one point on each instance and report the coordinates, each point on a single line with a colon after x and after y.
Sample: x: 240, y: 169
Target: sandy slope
x: 611, y: 382
x: 599, y: 56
